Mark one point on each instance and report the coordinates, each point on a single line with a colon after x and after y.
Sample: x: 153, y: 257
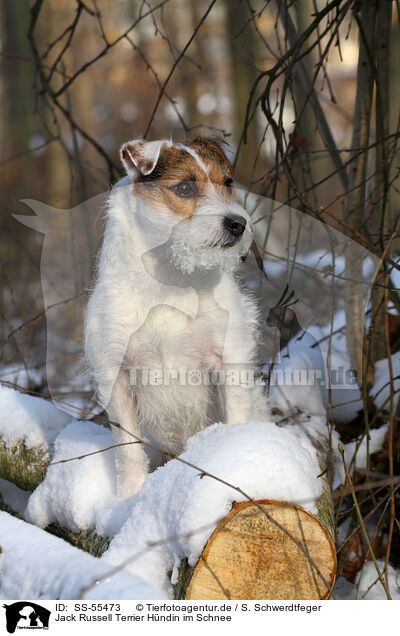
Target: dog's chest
x: 170, y: 353
x: 170, y: 338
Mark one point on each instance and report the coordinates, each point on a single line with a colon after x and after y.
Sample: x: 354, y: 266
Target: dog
x: 167, y: 309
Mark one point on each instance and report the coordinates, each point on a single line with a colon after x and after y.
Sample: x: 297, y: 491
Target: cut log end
x: 263, y: 550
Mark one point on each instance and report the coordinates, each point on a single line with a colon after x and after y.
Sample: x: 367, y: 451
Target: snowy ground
x: 367, y: 585
x: 36, y: 565
x: 176, y: 510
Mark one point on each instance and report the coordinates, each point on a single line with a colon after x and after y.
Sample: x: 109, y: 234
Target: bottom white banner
x: 100, y: 617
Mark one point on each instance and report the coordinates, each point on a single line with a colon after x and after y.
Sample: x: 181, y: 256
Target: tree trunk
x: 304, y: 172
x: 394, y: 117
x: 355, y: 214
x: 380, y: 199
x: 243, y: 77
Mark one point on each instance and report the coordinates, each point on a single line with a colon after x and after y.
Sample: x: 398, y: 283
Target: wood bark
x: 244, y: 74
x: 355, y: 212
x: 380, y: 198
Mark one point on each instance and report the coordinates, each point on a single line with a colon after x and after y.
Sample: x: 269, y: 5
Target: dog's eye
x: 185, y: 189
x: 229, y: 185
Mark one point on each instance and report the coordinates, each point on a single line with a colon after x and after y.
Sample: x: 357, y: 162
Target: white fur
x: 181, y: 310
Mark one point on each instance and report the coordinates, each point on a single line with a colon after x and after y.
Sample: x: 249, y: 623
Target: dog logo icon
x: 26, y: 615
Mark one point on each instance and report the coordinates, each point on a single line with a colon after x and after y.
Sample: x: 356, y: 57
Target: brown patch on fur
x: 209, y: 149
x: 175, y: 165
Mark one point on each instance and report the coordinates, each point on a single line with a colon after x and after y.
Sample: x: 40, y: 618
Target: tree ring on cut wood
x: 254, y: 553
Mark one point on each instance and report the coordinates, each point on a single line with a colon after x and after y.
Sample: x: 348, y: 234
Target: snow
x: 21, y: 375
x: 301, y: 354
x: 395, y: 273
x: 178, y: 507
x: 367, y: 585
x: 369, y: 588
x: 327, y: 262
x: 294, y: 385
x: 37, y: 565
x: 355, y: 453
x: 34, y: 420
x: 316, y: 429
x: 62, y: 498
x: 74, y: 493
x: 381, y: 387
x: 345, y: 394
x: 304, y: 361
x: 13, y: 496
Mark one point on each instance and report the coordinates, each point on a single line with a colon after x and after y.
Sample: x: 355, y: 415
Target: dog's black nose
x: 235, y: 224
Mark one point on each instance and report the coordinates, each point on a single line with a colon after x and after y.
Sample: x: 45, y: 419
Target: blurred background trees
x: 282, y: 84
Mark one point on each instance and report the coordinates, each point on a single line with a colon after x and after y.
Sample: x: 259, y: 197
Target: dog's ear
x: 140, y: 155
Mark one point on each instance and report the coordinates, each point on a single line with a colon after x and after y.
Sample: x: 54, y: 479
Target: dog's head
x: 185, y: 193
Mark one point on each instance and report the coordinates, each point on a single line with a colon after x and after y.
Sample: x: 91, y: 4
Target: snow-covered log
x: 194, y: 527
x: 272, y: 549
x: 36, y: 565
x: 28, y: 428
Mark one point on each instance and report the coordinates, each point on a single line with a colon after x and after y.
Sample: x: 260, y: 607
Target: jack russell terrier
x: 167, y: 312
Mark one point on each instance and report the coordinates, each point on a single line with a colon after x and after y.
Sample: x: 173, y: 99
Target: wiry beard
x: 187, y: 258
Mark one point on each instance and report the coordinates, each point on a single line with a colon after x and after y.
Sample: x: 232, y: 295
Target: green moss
x: 185, y: 573
x: 24, y: 467
x: 86, y: 540
x: 325, y: 512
